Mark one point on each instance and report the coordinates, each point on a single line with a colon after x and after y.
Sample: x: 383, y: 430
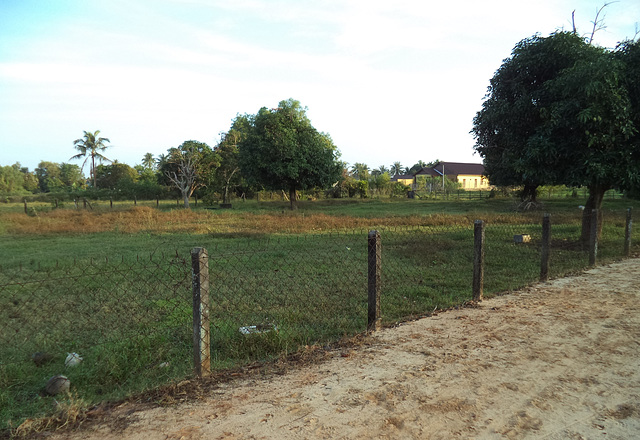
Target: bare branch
x: 598, y: 23
x: 573, y: 21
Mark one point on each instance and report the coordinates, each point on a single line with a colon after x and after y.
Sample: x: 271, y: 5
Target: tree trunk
x: 596, y: 196
x: 93, y: 170
x: 292, y: 197
x: 185, y: 197
x: 530, y: 193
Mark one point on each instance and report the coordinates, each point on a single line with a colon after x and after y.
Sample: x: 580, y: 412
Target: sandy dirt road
x: 559, y: 360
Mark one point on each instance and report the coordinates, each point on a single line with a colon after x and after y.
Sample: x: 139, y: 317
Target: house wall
x: 407, y: 182
x: 473, y: 181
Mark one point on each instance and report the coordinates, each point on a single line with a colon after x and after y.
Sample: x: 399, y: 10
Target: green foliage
x: 91, y: 146
x: 431, y: 184
x: 115, y: 175
x: 512, y: 114
x: 396, y: 169
x: 53, y: 176
x: 560, y: 112
x: 190, y: 166
x: 284, y: 151
x: 228, y: 175
x: 14, y: 181
x: 360, y: 171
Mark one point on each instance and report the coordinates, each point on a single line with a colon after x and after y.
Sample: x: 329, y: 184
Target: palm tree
x: 148, y: 161
x: 396, y: 168
x: 417, y: 167
x: 90, y: 146
x: 161, y: 161
x: 382, y: 169
x: 360, y: 171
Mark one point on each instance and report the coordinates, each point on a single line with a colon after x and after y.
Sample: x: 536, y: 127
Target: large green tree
x: 15, y: 179
x: 511, y: 113
x: 558, y: 113
x: 283, y: 151
x: 91, y: 146
x: 115, y: 175
x: 54, y: 176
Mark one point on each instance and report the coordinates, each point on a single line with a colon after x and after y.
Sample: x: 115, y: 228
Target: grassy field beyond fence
x: 129, y: 316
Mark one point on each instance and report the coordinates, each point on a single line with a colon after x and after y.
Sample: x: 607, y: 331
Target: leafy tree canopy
x: 284, y: 151
x: 228, y: 174
x: 189, y: 166
x: 559, y: 111
x: 114, y: 175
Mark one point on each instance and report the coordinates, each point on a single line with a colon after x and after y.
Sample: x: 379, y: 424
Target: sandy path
x: 556, y: 361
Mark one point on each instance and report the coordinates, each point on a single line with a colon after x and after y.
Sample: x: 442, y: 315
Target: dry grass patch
x: 145, y: 219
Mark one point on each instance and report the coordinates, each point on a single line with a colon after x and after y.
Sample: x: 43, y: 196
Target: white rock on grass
x: 72, y: 360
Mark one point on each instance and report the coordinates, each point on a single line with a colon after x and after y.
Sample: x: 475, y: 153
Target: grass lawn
x: 114, y: 284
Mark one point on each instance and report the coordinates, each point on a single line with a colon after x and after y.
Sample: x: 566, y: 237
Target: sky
x: 394, y: 80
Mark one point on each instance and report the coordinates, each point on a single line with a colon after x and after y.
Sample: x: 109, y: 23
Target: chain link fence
x: 138, y: 324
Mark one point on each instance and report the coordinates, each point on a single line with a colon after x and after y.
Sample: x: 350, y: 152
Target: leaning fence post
x: 546, y: 247
x: 478, y: 259
x: 374, y: 320
x: 627, y: 234
x: 593, y: 238
x: 26, y: 210
x: 201, y: 325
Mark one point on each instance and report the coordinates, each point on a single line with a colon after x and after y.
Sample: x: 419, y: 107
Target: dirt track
x: 560, y: 360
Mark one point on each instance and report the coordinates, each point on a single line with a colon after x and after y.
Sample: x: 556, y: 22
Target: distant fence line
x: 450, y: 194
x: 138, y: 324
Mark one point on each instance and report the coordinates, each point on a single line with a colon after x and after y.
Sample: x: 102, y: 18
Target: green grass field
x: 120, y: 294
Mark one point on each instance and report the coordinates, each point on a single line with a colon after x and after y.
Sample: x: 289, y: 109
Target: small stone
x: 40, y: 358
x: 57, y: 384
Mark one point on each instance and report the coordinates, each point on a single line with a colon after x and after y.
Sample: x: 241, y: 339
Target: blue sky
x: 390, y: 81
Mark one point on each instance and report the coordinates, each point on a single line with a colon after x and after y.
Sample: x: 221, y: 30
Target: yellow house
x: 405, y: 179
x: 468, y: 175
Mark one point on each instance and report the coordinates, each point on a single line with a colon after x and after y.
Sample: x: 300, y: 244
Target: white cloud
x: 389, y: 81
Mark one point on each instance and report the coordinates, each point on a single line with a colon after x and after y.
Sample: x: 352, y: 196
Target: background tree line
x: 274, y: 150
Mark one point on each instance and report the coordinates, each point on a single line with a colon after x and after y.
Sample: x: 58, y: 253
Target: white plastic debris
x: 257, y: 329
x: 72, y: 360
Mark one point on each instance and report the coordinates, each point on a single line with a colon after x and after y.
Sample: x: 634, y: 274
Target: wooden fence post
x: 374, y: 320
x: 201, y: 324
x: 627, y: 234
x: 135, y: 200
x: 593, y: 238
x: 478, y: 259
x: 546, y: 247
x: 157, y: 202
x: 111, y: 202
x: 26, y: 210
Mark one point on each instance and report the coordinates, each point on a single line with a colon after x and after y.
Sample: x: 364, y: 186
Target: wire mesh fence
x: 125, y: 323
x: 137, y: 324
